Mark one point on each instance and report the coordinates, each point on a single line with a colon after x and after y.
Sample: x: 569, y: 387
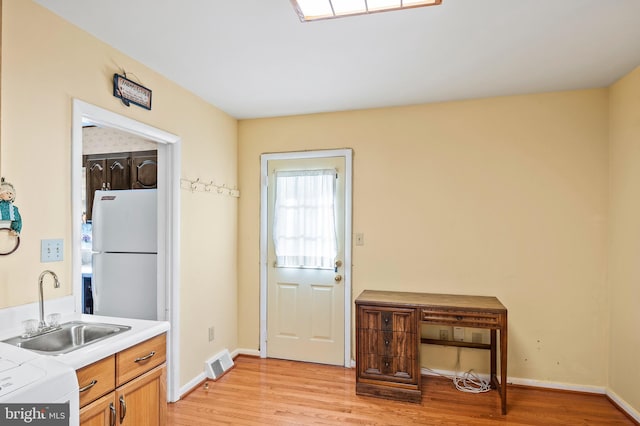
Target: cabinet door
x: 144, y: 170
x: 143, y: 401
x: 404, y: 347
x: 101, y: 412
x: 118, y: 172
x: 96, y: 178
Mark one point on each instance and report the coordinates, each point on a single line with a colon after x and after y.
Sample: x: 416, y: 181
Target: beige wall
x: 48, y: 62
x: 624, y: 244
x: 503, y: 196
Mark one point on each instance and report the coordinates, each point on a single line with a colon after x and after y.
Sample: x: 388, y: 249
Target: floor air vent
x: 219, y: 364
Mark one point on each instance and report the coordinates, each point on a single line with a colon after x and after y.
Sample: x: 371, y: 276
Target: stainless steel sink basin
x: 69, y: 337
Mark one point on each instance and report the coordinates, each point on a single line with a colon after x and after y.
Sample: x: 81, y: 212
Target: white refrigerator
x: 125, y: 246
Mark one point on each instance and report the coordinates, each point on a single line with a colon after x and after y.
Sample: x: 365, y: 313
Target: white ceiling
x: 254, y: 58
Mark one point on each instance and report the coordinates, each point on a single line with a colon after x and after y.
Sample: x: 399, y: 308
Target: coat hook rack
x: 194, y: 185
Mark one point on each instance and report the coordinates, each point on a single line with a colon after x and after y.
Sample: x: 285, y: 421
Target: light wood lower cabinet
x: 101, y: 412
x: 143, y: 401
x: 140, y: 398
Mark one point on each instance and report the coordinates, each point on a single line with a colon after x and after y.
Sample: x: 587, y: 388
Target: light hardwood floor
x: 277, y: 392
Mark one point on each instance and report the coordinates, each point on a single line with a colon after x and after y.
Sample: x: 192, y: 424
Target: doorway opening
x: 113, y: 160
x: 168, y: 217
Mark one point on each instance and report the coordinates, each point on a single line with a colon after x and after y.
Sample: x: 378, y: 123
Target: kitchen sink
x: 68, y: 337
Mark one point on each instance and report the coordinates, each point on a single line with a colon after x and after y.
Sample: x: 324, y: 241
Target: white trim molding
x: 169, y: 149
x: 624, y: 405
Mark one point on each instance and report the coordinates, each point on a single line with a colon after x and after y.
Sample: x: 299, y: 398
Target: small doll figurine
x: 9, y: 212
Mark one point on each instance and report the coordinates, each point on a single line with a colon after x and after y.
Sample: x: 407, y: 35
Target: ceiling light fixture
x: 313, y: 10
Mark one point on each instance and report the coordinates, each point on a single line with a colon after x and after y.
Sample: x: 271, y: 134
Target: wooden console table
x: 388, y: 338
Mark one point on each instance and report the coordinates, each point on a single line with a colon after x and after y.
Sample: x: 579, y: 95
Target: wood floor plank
x: 278, y: 392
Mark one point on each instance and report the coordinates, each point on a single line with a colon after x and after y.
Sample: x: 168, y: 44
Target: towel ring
x: 9, y: 241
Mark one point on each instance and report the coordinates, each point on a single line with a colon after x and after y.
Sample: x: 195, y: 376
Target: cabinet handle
x: 459, y: 318
x: 89, y: 386
x: 123, y: 408
x: 386, y: 364
x: 117, y: 164
x: 386, y: 342
x: 386, y: 320
x: 146, y: 357
x: 112, y: 420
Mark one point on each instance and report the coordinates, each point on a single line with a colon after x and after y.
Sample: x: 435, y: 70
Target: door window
x: 304, y: 226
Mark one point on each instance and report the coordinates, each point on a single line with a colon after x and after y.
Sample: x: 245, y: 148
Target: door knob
x: 338, y: 278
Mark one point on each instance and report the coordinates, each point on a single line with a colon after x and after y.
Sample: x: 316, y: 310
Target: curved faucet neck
x: 56, y: 284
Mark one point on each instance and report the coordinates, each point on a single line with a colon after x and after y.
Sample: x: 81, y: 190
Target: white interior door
x: 305, y: 260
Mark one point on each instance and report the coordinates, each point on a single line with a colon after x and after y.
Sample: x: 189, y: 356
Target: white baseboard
x: 202, y: 376
x: 240, y: 351
x: 526, y: 382
x: 624, y: 405
x: 192, y: 384
x: 557, y: 385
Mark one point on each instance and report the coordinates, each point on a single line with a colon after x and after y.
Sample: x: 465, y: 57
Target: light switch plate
x: 51, y: 250
x: 458, y: 334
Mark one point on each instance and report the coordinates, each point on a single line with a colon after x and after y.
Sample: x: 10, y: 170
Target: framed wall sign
x: 131, y: 92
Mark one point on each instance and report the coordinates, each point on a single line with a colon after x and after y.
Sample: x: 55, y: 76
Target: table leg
x: 494, y: 357
x: 503, y: 365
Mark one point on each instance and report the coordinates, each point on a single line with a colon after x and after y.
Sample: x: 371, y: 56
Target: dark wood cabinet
x: 387, y: 348
x: 144, y: 170
x: 122, y: 170
x: 118, y: 172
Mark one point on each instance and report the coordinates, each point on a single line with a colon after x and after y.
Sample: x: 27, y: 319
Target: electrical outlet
x: 51, y: 250
x: 444, y: 335
x: 212, y: 334
x: 360, y: 239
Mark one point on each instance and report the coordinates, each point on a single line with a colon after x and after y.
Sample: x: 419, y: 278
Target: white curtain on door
x: 304, y: 225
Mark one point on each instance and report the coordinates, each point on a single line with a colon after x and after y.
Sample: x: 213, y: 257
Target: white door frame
x: 169, y: 149
x: 264, y: 159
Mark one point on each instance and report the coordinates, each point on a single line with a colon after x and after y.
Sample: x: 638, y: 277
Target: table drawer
x: 460, y: 318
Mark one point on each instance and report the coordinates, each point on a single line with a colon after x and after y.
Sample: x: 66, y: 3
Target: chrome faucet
x: 42, y: 325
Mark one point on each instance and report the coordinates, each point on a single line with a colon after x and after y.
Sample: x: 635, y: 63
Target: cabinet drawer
x: 96, y: 379
x: 387, y: 319
x: 460, y: 318
x: 389, y: 369
x: 140, y: 358
x: 386, y: 343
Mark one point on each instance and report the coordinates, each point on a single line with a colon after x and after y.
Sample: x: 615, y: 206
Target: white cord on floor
x: 468, y: 382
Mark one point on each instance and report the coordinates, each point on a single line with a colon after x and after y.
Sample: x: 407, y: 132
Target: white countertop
x: 140, y: 331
